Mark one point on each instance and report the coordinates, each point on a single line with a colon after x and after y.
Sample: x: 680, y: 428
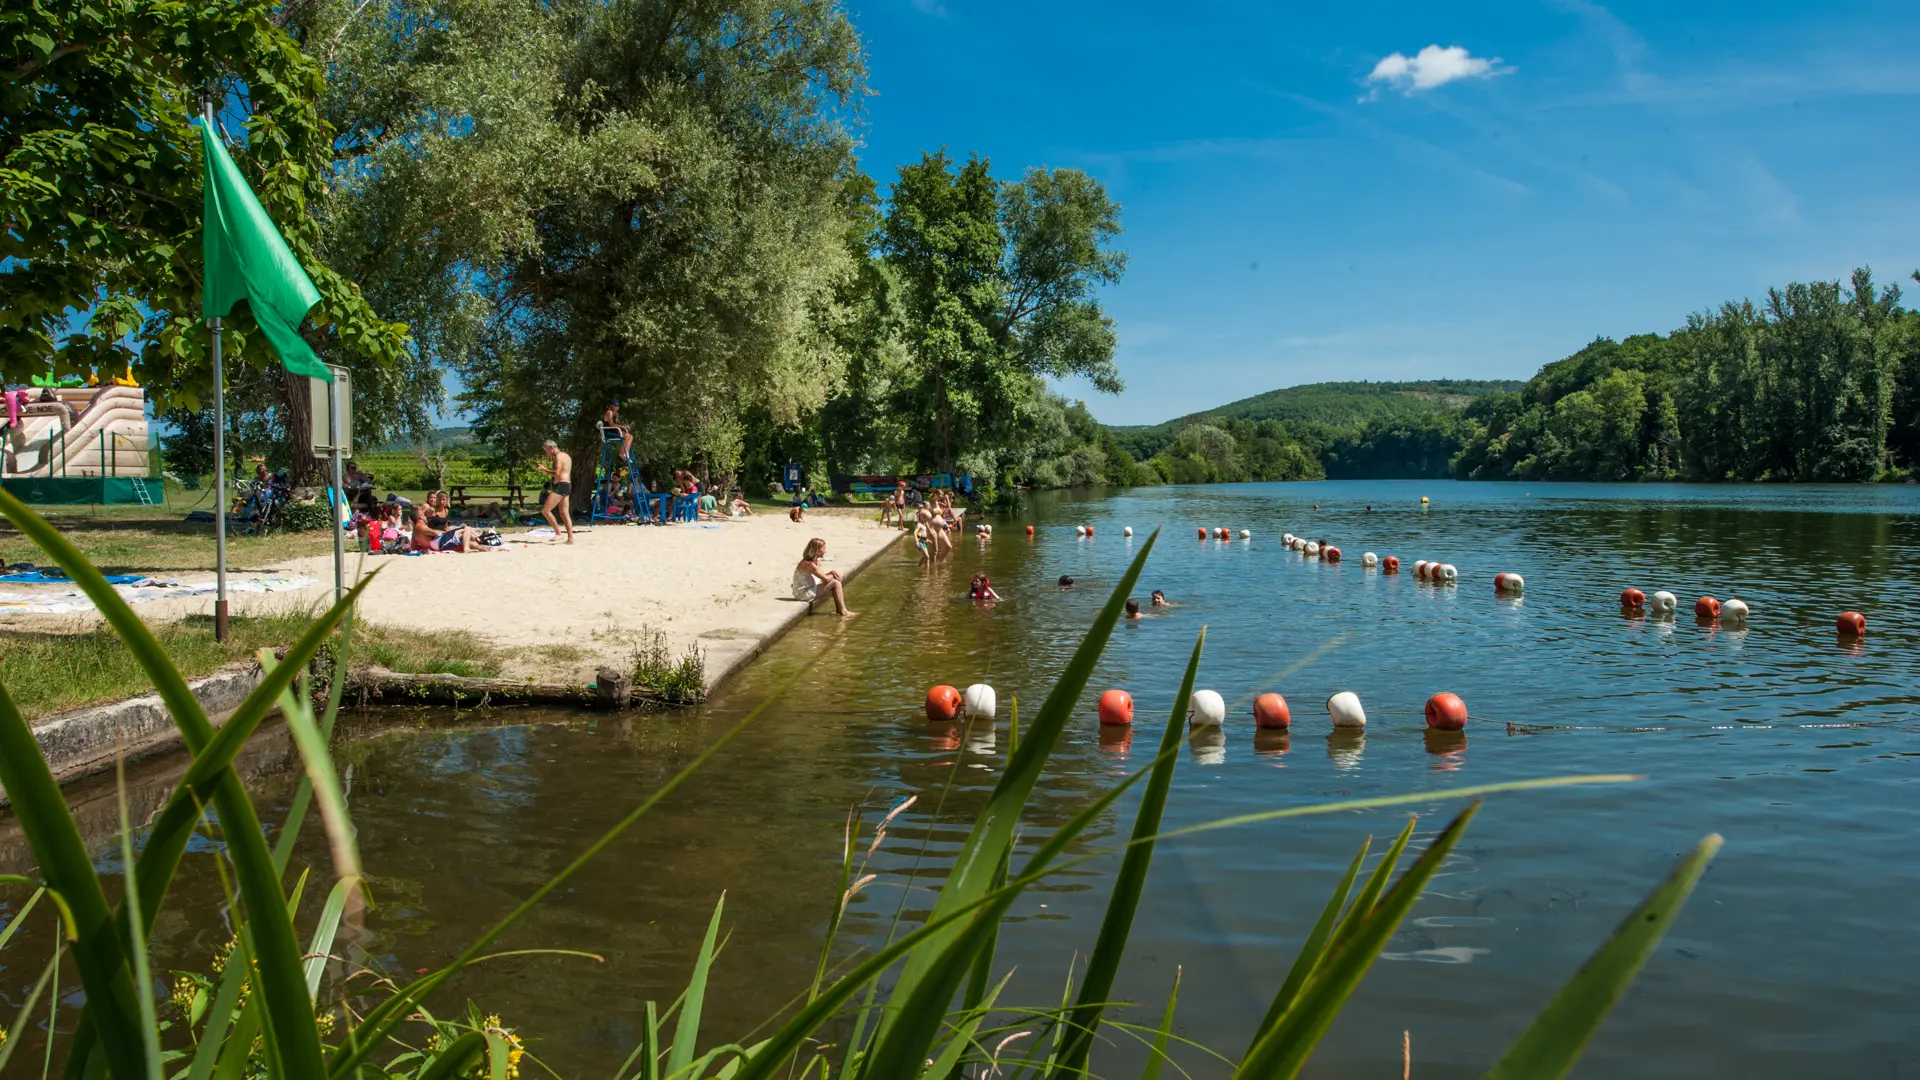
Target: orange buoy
x: 1029, y: 532
x: 1203, y: 534
x: 1633, y: 600
x: 1089, y: 530
x: 1270, y: 711
x: 1390, y: 565
x: 1706, y: 608
x: 944, y: 704
x: 1446, y: 712
x: 1116, y: 708
x: 1330, y: 553
x: 1851, y: 624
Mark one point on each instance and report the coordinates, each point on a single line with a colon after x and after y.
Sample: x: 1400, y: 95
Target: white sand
x: 723, y: 586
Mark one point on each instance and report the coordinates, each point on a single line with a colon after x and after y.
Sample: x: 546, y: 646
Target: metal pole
x: 220, y: 632
x: 339, y: 491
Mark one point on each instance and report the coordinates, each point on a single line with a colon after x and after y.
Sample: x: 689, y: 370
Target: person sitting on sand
x: 797, y: 512
x: 740, y: 508
x: 1133, y: 608
x: 709, y: 507
x: 809, y: 580
x: 439, y: 505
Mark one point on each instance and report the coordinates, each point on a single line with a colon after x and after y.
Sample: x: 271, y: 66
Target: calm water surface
x: 1795, y: 958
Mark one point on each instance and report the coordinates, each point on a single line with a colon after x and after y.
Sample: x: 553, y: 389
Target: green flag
x: 247, y: 260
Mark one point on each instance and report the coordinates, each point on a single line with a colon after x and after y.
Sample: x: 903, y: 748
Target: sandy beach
x: 722, y: 586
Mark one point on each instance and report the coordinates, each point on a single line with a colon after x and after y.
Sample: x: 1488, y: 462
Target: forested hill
x: 1341, y: 429
x: 1820, y: 382
x: 1333, y: 404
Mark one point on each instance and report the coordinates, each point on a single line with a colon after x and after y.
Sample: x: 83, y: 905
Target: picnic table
x: 459, y: 495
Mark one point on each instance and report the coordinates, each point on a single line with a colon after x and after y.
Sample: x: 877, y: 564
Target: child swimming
x: 981, y: 589
x: 1133, y: 608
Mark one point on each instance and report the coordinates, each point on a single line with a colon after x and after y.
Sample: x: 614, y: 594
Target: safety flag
x: 247, y: 259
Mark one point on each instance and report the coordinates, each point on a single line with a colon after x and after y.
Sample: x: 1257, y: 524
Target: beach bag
x: 490, y: 538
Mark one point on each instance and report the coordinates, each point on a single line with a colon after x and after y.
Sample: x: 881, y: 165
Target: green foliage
x: 681, y: 681
x: 306, y: 515
x: 1809, y: 386
x: 100, y: 186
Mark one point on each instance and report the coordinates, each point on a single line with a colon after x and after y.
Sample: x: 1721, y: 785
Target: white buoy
x: 1246, y: 534
x: 1312, y: 550
x: 1287, y: 539
x: 981, y: 701
x: 1205, y: 709
x: 1509, y: 583
x: 1662, y: 603
x: 1128, y: 531
x: 1420, y: 569
x: 1448, y: 574
x: 1345, y: 709
x: 1079, y: 530
x: 1369, y: 559
x: 1733, y: 613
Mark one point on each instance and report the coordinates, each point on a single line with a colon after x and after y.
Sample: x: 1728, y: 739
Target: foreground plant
x: 942, y: 1018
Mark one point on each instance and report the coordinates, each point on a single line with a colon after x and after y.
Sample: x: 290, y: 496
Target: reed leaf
x: 317, y: 758
x: 973, y: 869
x: 818, y: 1011
x: 1165, y: 1034
x: 1312, y: 949
x: 686, y: 1032
x: 459, y: 1054
x: 324, y: 932
x: 1117, y: 926
x: 1376, y: 884
x: 1549, y: 1047
x: 63, y: 859
x: 1284, y: 1050
x: 137, y: 950
x: 948, y: 1059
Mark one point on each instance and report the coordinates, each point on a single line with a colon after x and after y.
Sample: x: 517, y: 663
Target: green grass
x: 57, y: 672
x: 154, y: 539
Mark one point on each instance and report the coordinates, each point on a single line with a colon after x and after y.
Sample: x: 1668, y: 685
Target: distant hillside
x: 446, y: 438
x: 1344, y: 406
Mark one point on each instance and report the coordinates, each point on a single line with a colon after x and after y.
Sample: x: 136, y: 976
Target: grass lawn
x: 50, y: 672
x: 131, y: 539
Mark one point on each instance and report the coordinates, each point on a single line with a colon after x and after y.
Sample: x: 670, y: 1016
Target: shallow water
x: 1793, y: 959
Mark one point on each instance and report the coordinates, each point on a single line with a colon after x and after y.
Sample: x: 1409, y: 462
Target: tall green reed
x: 942, y: 1018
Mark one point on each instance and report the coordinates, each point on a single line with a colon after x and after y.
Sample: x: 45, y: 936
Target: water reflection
x: 1448, y: 748
x: 1116, y: 739
x: 1272, y: 742
x: 1344, y: 747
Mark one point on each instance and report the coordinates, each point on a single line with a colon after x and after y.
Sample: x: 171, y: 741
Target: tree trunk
x: 301, y: 464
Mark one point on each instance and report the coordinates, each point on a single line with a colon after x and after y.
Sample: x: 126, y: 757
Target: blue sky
x: 1310, y: 196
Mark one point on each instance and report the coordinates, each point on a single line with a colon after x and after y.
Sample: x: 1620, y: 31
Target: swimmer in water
x: 1066, y: 581
x: 1159, y: 599
x: 1133, y: 608
x: 981, y: 588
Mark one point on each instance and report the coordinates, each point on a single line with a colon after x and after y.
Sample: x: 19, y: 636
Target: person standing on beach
x: 562, y: 491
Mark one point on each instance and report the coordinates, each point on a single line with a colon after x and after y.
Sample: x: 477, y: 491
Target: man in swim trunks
x: 561, y: 494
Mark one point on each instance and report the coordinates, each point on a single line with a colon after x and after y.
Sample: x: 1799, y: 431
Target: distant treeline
x: 1821, y: 382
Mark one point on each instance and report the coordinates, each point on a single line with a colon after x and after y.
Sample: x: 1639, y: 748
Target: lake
x: 1793, y: 959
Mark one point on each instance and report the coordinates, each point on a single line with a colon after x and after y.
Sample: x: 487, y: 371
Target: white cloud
x: 1431, y: 67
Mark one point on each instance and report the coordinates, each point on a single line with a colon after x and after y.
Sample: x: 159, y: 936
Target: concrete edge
x: 87, y: 741
x: 716, y: 679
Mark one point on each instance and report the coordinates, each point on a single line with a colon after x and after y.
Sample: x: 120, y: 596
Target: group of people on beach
x: 935, y: 518
x: 427, y: 526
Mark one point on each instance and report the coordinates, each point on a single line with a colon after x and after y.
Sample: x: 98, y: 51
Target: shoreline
x: 556, y: 613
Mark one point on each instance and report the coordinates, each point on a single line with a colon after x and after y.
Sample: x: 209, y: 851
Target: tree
x: 100, y: 188
x: 998, y: 285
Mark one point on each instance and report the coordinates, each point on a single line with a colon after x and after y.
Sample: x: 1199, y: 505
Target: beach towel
x: 71, y: 601
x: 55, y: 577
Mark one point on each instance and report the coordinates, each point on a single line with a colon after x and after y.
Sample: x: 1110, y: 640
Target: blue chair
x: 686, y: 508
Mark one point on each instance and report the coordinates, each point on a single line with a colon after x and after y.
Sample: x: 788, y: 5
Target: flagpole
x: 220, y: 630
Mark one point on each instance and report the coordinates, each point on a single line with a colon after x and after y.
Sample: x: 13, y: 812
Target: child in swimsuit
x: 981, y: 589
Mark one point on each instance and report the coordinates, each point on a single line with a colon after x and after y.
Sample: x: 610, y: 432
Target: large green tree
x: 100, y: 187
